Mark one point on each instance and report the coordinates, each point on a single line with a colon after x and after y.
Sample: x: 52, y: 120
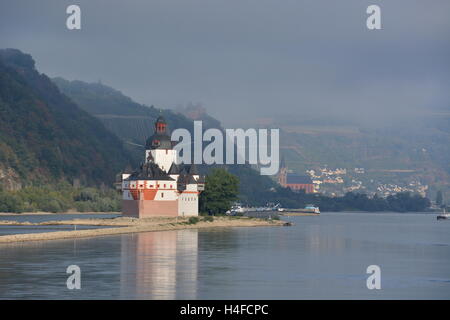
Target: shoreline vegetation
x: 69, y: 212
x: 60, y: 197
x: 124, y: 225
x: 221, y: 191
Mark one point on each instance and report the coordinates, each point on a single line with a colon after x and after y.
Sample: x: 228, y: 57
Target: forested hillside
x: 44, y: 136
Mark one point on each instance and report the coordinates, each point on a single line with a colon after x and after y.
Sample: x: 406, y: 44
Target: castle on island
x: 161, y: 187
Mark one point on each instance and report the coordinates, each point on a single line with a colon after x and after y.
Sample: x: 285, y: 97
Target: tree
x: 221, y: 190
x: 439, y: 198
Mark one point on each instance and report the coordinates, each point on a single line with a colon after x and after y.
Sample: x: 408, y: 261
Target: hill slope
x: 44, y: 136
x: 405, y: 154
x: 130, y: 121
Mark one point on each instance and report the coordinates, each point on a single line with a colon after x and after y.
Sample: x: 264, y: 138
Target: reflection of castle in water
x: 158, y: 265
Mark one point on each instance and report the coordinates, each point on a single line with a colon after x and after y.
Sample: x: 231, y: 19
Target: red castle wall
x: 143, y: 209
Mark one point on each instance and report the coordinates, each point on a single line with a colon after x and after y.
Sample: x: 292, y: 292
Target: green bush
x: 59, y: 198
x: 193, y: 220
x: 52, y: 206
x: 208, y: 219
x: 10, y: 202
x: 221, y: 190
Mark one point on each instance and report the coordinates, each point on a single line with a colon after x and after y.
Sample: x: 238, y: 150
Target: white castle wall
x: 166, y: 195
x: 188, y: 204
x: 188, y: 201
x: 162, y: 157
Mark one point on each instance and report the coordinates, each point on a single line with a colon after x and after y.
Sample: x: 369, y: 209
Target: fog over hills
x: 249, y: 59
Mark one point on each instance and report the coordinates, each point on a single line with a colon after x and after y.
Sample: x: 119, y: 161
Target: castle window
x: 162, y: 194
x: 164, y: 185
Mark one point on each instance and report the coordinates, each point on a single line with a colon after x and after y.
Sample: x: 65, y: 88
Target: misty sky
x: 243, y: 59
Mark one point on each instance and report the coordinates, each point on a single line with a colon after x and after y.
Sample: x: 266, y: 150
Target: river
x: 320, y: 257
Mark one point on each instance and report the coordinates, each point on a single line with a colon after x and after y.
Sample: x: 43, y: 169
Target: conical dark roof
x: 161, y: 119
x: 160, y: 138
x: 159, y: 141
x: 283, y: 162
x: 174, y: 169
x: 150, y: 171
x: 191, y: 180
x: 193, y: 169
x: 128, y: 170
x: 183, y: 169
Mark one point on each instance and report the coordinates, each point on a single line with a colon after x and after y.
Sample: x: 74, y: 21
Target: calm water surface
x: 9, y: 229
x: 36, y: 218
x: 321, y: 257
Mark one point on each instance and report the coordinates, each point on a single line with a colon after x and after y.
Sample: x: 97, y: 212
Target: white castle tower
x: 161, y: 187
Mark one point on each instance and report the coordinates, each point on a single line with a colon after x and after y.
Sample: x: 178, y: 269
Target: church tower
x: 282, y: 175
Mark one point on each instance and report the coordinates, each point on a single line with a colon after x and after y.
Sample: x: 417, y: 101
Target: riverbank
x: 122, y: 225
x: 300, y: 214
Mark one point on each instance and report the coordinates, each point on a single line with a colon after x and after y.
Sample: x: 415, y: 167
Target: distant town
x: 338, y: 181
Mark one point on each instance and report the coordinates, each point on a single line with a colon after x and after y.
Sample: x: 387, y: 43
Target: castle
x: 161, y: 187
